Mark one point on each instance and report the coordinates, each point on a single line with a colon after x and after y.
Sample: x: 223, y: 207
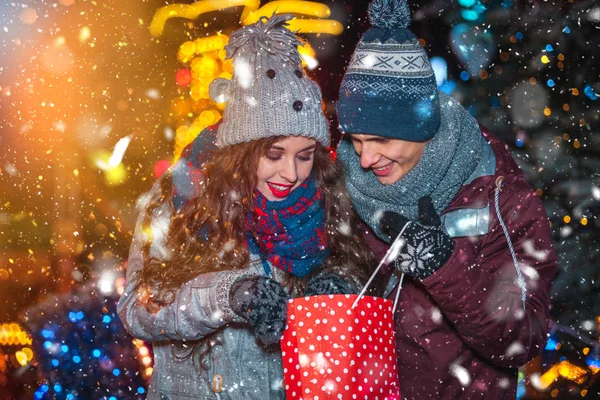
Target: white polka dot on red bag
x: 333, y: 351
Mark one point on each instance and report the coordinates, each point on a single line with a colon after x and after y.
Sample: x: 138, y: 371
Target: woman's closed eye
x: 274, y: 156
x: 278, y: 156
x: 306, y: 156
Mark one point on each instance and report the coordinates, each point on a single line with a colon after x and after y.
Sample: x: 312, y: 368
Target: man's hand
x: 428, y: 246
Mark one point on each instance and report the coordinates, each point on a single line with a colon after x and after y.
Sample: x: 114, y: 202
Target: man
x: 477, y: 262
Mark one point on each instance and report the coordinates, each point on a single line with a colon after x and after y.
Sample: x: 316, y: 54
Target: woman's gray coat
x: 239, y: 367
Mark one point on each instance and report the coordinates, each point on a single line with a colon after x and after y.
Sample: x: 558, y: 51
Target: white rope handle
x: 398, y: 293
x: 390, y: 255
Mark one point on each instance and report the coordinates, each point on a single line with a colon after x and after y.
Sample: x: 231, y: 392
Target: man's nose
x: 368, y: 157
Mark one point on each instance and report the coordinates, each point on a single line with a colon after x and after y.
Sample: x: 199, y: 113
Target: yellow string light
x: 252, y: 13
x: 194, y: 10
x: 12, y: 335
x: 309, y: 8
x: 327, y: 26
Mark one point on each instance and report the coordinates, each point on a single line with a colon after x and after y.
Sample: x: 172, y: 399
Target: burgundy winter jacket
x: 462, y: 332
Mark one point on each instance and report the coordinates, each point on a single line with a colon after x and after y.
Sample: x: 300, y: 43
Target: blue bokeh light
x: 549, y: 47
x: 47, y: 334
x: 469, y: 15
x: 551, y: 83
x: 465, y: 76
x: 551, y: 344
x: 106, y: 319
x: 96, y: 353
x: 116, y: 372
x: 590, y: 93
x: 519, y: 36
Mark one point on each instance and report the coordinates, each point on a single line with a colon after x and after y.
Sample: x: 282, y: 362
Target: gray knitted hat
x: 269, y: 94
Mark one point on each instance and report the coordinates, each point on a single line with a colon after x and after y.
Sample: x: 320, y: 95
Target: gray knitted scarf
x: 448, y: 161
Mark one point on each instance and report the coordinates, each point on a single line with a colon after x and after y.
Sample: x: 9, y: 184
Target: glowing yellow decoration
x: 113, y: 174
x: 211, y: 43
x: 545, y: 59
x: 184, y: 136
x: 194, y: 10
x: 116, y: 176
x: 563, y: 369
x: 12, y: 334
x: 282, y: 7
x: 308, y: 56
x: 28, y: 352
x: 205, y: 68
x: 186, y: 52
x: 199, y: 90
x: 21, y: 358
x: 252, y: 13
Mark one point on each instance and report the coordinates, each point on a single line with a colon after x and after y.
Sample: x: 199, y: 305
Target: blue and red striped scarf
x: 289, y: 233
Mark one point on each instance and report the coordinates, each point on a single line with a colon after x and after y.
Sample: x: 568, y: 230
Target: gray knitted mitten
x: 263, y: 303
x: 428, y: 246
x: 329, y: 283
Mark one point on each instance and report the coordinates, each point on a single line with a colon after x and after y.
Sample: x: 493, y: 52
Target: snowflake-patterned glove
x: 427, y: 247
x: 263, y: 303
x: 329, y: 283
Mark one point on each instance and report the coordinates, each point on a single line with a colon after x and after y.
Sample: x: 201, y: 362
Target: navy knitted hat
x: 389, y: 88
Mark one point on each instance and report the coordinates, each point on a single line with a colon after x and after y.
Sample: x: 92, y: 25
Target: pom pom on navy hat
x: 389, y: 14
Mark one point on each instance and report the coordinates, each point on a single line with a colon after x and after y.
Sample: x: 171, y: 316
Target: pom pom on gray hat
x: 269, y: 94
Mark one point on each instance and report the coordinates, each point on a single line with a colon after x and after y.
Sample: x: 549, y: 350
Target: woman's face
x: 285, y: 166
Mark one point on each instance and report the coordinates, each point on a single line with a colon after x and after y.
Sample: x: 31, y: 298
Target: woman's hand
x: 329, y: 283
x: 262, y: 302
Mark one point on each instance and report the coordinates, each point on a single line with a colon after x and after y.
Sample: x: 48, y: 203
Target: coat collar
x: 476, y: 191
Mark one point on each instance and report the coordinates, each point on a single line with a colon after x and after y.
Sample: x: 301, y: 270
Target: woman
x: 269, y: 221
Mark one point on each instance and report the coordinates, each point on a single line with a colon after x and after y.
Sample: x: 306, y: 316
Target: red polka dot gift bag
x: 340, y: 347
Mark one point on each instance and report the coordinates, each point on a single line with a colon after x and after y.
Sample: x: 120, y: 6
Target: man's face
x: 388, y: 159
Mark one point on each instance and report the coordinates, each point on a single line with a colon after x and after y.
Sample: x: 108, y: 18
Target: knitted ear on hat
x: 220, y: 90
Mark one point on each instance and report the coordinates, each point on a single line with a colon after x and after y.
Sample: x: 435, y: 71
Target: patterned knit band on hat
x: 389, y: 88
x: 269, y: 95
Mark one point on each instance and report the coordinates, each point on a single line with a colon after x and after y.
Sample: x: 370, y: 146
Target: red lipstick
x: 278, y: 191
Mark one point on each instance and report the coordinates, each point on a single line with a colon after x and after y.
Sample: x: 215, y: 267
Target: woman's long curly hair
x: 221, y: 210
